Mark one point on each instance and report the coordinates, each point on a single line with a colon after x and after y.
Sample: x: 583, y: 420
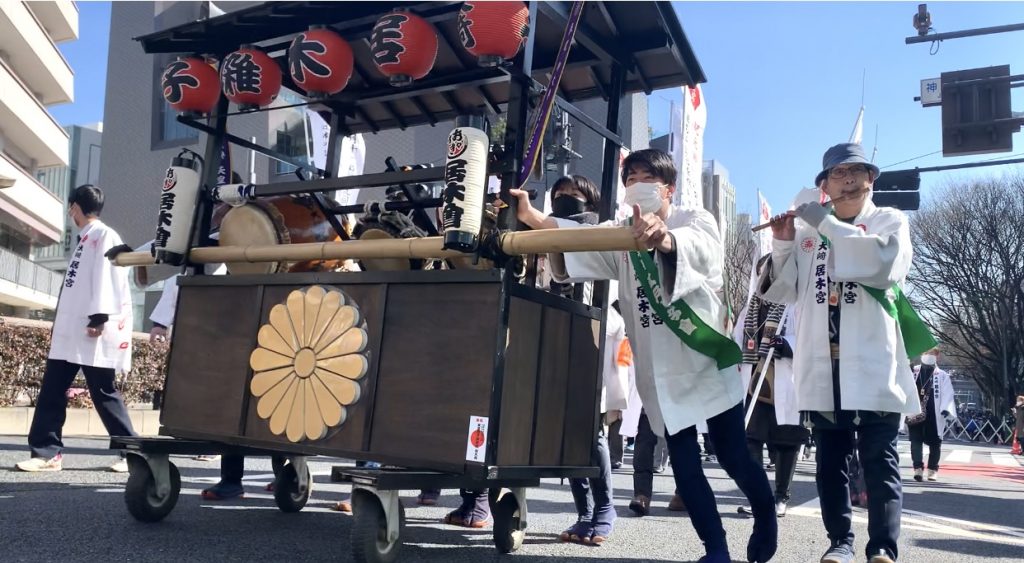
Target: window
x: 292, y: 135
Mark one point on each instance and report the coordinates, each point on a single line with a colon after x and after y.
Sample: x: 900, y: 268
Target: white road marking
x: 1005, y: 460
x: 958, y: 456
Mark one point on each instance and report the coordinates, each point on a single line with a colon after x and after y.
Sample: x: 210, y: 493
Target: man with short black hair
x: 92, y: 332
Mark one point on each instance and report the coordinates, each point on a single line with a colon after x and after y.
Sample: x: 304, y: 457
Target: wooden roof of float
x: 646, y: 38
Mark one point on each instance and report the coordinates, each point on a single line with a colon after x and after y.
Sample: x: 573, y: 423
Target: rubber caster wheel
x: 140, y: 493
x: 287, y: 495
x: 369, y: 538
x: 508, y: 532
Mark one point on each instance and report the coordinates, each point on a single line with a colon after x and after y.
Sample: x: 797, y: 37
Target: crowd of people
x: 820, y: 353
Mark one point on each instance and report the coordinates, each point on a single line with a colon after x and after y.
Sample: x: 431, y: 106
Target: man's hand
x: 114, y: 251
x: 813, y: 213
x: 94, y: 331
x: 650, y: 231
x: 158, y: 334
x: 783, y: 227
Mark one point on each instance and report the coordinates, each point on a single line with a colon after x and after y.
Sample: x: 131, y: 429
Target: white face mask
x: 645, y: 194
x: 928, y: 359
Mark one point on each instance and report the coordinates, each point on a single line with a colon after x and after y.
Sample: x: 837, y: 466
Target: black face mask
x: 566, y: 206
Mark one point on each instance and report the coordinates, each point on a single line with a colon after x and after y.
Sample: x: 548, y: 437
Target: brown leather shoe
x: 677, y: 504
x: 640, y: 505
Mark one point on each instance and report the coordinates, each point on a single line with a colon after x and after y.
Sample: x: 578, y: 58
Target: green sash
x: 683, y: 320
x: 917, y: 339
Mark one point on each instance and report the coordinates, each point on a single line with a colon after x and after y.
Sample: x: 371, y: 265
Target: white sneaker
x: 933, y: 475
x: 919, y: 475
x: 120, y: 466
x: 38, y: 464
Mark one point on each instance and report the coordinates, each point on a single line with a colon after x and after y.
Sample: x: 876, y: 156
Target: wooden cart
x: 470, y: 378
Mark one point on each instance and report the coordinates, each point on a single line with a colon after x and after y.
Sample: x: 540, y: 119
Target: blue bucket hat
x: 843, y: 153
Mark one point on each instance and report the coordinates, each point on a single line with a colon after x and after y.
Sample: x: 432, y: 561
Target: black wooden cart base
x: 154, y: 482
x: 380, y: 516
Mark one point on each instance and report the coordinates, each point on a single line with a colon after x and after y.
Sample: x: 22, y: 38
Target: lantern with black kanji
x: 320, y: 62
x: 404, y: 47
x: 250, y: 78
x: 493, y: 31
x: 190, y: 86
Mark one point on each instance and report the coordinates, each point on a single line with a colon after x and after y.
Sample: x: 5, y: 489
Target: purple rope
x: 549, y: 95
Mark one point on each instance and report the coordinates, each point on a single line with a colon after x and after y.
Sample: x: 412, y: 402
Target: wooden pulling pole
x: 520, y: 242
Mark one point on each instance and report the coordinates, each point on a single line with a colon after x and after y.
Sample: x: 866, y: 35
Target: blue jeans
x: 729, y: 440
x: 601, y: 486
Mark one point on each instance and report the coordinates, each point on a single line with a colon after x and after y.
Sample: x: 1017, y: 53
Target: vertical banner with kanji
x: 689, y: 123
x: 351, y: 157
x: 224, y: 170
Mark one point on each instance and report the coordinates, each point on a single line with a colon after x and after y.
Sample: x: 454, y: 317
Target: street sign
x: 931, y: 92
x: 976, y: 115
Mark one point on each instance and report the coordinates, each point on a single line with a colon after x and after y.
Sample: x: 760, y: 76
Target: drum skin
x: 275, y: 220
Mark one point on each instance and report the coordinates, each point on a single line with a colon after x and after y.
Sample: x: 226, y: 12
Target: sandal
x: 223, y: 491
x: 579, y: 532
x: 343, y: 506
x: 466, y: 519
x: 428, y: 497
x: 601, y: 526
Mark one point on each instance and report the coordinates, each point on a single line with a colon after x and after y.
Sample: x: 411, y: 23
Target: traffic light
x: 899, y: 189
x: 976, y: 116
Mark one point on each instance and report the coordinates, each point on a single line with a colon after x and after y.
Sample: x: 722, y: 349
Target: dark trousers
x: 876, y: 445
x: 615, y: 441
x: 728, y: 436
x: 232, y: 467
x: 44, y: 437
x: 643, y: 458
x: 918, y: 438
x: 785, y: 465
x: 601, y: 486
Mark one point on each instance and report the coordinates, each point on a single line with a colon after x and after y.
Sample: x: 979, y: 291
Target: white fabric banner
x: 694, y: 120
x: 352, y: 155
x: 764, y: 236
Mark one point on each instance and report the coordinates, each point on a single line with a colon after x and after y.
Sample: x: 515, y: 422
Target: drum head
x: 249, y: 225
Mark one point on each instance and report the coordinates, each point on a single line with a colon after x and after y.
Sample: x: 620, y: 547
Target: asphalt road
x: 974, y: 513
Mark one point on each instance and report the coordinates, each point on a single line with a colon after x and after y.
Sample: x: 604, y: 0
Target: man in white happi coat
x: 686, y: 370
x: 851, y: 368
x: 935, y: 390
x: 92, y: 332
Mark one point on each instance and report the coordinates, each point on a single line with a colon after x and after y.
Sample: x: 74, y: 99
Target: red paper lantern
x: 320, y: 62
x: 404, y: 47
x: 493, y: 31
x: 250, y: 78
x: 190, y: 86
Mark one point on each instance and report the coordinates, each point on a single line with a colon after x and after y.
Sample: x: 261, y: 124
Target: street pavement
x: 974, y: 513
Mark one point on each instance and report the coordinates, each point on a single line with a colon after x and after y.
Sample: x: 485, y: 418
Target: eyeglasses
x: 840, y: 173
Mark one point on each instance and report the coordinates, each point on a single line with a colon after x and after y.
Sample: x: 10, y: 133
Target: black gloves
x: 113, y: 252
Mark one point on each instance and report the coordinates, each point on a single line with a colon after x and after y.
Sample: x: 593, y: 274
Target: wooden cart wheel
x: 508, y: 534
x: 287, y: 495
x: 370, y: 530
x: 140, y: 493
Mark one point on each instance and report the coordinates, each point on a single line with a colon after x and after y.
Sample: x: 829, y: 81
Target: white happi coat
x: 784, y: 397
x: 163, y: 312
x: 679, y: 386
x: 94, y: 285
x: 874, y: 372
x: 942, y: 398
x: 615, y: 377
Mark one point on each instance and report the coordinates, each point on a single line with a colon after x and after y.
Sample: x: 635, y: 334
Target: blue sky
x: 784, y: 83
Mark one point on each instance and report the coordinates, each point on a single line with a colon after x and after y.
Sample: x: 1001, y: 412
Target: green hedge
x: 23, y: 351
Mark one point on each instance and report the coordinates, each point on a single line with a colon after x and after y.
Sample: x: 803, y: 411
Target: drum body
x: 275, y: 220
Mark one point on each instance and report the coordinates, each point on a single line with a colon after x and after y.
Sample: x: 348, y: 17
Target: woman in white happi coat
x: 850, y: 363
x: 679, y: 386
x: 92, y: 332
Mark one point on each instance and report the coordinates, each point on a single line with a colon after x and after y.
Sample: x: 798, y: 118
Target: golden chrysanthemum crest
x: 308, y: 364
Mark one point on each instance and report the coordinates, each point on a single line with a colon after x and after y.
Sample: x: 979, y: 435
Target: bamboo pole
x: 520, y: 242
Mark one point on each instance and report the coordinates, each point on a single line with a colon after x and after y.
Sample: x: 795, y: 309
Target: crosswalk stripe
x: 1005, y: 460
x: 959, y: 456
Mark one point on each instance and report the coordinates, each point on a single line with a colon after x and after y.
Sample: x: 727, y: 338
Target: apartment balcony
x: 30, y: 205
x: 33, y: 56
x: 60, y: 18
x: 26, y: 284
x: 25, y: 123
